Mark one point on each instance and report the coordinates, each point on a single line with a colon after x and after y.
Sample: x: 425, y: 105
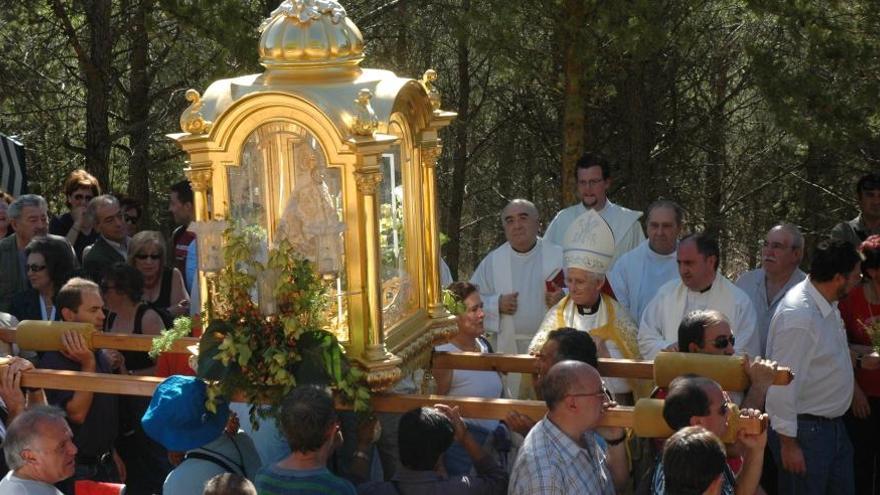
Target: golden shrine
x: 339, y: 160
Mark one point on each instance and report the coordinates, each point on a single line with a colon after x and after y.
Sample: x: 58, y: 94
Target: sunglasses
x: 723, y: 341
x: 725, y: 406
x: 35, y: 268
x: 106, y: 288
x: 81, y: 197
x: 130, y: 219
x: 150, y: 256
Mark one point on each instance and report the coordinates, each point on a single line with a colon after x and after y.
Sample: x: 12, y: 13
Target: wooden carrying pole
x: 621, y: 416
x: 727, y: 370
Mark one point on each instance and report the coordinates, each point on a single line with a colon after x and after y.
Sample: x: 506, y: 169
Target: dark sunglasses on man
x: 722, y: 341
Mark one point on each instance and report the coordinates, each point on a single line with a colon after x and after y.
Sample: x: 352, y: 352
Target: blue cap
x: 177, y: 417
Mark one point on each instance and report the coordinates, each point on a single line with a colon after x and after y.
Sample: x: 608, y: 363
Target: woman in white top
x: 467, y: 383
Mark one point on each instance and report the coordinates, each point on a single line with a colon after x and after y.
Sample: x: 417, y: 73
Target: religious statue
x: 310, y: 221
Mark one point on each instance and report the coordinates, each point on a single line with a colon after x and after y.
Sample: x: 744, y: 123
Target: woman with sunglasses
x: 79, y: 188
x: 49, y: 265
x: 469, y: 320
x: 163, y: 284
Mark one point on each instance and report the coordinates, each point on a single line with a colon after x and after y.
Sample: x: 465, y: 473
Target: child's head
x: 229, y: 484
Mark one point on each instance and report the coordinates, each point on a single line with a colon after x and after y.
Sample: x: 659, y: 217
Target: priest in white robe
x: 513, y: 282
x: 782, y: 253
x: 593, y: 180
x: 639, y: 273
x: 589, y: 248
x: 700, y: 286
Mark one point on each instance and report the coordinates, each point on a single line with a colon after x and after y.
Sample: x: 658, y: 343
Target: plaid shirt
x: 550, y: 462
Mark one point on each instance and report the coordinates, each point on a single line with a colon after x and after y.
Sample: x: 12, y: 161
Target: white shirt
x: 13, y: 485
x: 445, y: 274
x: 661, y: 318
x: 807, y: 334
x: 526, y: 274
x: 468, y: 383
x: 754, y: 284
x: 624, y: 225
x: 637, y: 276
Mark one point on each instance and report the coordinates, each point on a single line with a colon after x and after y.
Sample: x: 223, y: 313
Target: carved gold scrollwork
x: 365, y: 120
x: 191, y: 120
x: 428, y: 81
x: 200, y: 179
x: 430, y: 154
x: 383, y: 378
x: 368, y: 182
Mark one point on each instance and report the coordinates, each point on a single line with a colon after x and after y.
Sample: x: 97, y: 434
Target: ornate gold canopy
x: 339, y: 160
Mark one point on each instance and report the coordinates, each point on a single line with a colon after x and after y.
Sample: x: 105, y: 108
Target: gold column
x: 200, y: 176
x: 368, y: 180
x: 381, y: 365
x: 429, y: 156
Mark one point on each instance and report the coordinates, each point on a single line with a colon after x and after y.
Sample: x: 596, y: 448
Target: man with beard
x: 593, y: 174
x: 809, y: 441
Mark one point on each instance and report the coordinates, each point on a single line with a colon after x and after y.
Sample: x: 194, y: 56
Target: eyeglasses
x: 35, y: 267
x: 150, y: 256
x: 721, y: 342
x: 81, y: 197
x: 605, y: 394
x: 725, y: 406
x: 131, y: 219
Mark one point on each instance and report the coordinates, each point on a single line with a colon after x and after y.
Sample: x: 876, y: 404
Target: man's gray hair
x: 667, y: 203
x: 797, y: 239
x: 98, y: 202
x: 25, y: 200
x: 528, y: 205
x: 24, y: 429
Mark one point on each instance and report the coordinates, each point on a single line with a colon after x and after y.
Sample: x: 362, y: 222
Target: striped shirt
x: 273, y: 480
x: 550, y: 462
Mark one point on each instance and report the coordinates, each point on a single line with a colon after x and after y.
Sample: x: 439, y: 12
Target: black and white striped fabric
x: 13, y: 174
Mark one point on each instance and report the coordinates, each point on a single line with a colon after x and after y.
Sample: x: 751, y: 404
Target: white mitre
x: 589, y: 244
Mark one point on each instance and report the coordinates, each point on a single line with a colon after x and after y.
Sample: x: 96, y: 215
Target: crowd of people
x: 595, y: 286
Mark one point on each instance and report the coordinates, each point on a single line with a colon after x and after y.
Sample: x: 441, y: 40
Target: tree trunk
x: 460, y: 144
x: 716, y: 157
x: 95, y: 62
x: 98, y: 86
x: 573, y: 107
x: 139, y: 106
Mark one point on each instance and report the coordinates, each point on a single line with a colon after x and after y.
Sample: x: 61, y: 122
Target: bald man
x: 563, y: 453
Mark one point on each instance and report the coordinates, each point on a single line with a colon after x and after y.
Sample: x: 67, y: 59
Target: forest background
x: 745, y: 112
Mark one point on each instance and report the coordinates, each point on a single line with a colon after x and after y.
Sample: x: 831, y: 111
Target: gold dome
x: 310, y: 34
